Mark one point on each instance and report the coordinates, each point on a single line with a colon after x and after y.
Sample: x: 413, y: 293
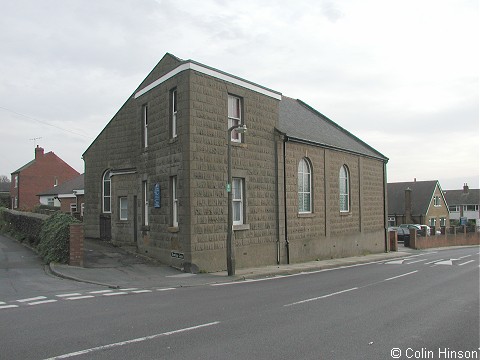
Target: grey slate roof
x: 459, y: 197
x: 422, y: 192
x: 77, y: 183
x: 301, y: 122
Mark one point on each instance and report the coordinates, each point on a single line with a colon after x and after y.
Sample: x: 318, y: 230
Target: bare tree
x: 4, y: 179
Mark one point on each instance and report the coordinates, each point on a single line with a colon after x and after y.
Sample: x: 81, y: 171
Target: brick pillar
x: 393, y: 240
x: 76, y: 244
x: 413, y: 238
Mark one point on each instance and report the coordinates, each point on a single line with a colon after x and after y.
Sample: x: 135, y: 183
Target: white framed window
x: 174, y: 201
x: 50, y: 201
x: 436, y: 201
x: 73, y: 208
x: 237, y: 201
x: 433, y: 222
x: 145, y: 125
x: 304, y: 187
x: 106, y: 192
x: 55, y: 182
x: 15, y: 202
x: 123, y: 207
x: 173, y: 98
x: 82, y: 209
x: 391, y: 221
x: 15, y: 181
x: 454, y: 208
x: 443, y: 221
x: 145, y: 204
x: 234, y: 116
x: 344, y: 187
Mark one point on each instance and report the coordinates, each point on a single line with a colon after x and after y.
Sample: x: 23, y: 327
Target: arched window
x: 304, y: 187
x: 106, y: 192
x: 344, y: 184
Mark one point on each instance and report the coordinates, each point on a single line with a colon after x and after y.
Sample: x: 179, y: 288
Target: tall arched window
x: 304, y: 187
x: 344, y: 183
x: 106, y: 192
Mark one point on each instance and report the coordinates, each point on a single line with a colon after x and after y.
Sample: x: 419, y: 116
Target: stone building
x: 303, y: 187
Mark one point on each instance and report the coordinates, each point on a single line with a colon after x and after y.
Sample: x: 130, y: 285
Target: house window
x: 436, y: 201
x: 145, y: 126
x: 173, y: 99
x: 15, y: 181
x: 106, y: 193
x: 344, y: 183
x: 55, y: 182
x: 454, y: 208
x: 174, y: 201
x: 443, y: 221
x: 123, y: 204
x: 82, y: 209
x: 234, y: 116
x: 433, y: 221
x: 391, y: 221
x: 145, y: 204
x: 50, y: 201
x: 237, y: 201
x: 73, y: 208
x: 471, y: 208
x: 15, y: 202
x: 304, y: 187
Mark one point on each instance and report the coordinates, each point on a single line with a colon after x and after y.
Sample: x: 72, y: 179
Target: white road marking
x: 445, y: 262
x: 129, y: 289
x: 81, y: 297
x: 115, y: 293
x: 321, y: 297
x: 68, y: 295
x: 165, y: 289
x: 100, y: 291
x: 127, y: 342
x: 398, y: 276
x: 463, y: 257
x: 413, y: 262
x: 466, y: 262
x: 42, y: 302
x: 180, y: 275
x: 395, y: 262
x: 2, y: 303
x: 141, y: 291
x: 32, y: 299
x: 431, y: 262
x: 8, y: 306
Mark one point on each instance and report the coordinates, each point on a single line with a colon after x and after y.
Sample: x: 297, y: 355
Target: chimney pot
x: 38, y: 152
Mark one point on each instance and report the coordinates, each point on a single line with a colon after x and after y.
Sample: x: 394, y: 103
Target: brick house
x: 417, y: 202
x: 43, y: 172
x: 464, y: 205
x: 303, y: 187
x: 67, y: 196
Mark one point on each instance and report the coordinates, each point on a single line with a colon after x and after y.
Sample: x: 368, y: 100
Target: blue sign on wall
x: 156, y: 195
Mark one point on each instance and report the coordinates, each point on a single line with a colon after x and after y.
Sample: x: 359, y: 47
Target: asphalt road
x: 425, y: 306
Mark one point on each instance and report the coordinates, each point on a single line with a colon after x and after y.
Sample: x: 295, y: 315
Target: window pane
x: 236, y: 210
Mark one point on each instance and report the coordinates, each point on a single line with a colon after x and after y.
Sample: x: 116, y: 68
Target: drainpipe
x: 287, y: 244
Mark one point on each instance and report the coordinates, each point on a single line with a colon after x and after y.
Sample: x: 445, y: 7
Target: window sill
x: 173, y: 229
x: 305, y: 215
x: 345, y: 213
x: 239, y: 144
x: 241, y: 227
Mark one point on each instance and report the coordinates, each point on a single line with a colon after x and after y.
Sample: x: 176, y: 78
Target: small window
x: 237, y: 201
x: 344, y: 183
x: 304, y: 187
x: 234, y: 116
x: 145, y: 204
x: 173, y: 99
x: 51, y: 201
x: 443, y: 221
x: 391, y: 221
x: 15, y: 202
x: 436, y: 201
x: 82, y: 209
x: 433, y: 222
x: 174, y: 201
x: 145, y: 126
x: 123, y: 204
x: 106, y: 193
x: 55, y: 182
x: 15, y: 181
x: 73, y: 208
x: 453, y: 208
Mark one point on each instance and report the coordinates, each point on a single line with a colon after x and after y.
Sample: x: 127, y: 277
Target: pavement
x: 119, y: 267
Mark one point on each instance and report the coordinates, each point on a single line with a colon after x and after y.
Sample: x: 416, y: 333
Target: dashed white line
x: 127, y: 342
x: 115, y: 293
x: 8, y: 306
x: 100, y: 291
x: 80, y: 297
x: 434, y: 261
x: 42, y: 302
x: 321, y: 297
x: 165, y: 289
x: 399, y: 276
x: 32, y: 299
x: 141, y: 291
x: 465, y: 263
x: 413, y: 262
x: 129, y: 289
x: 68, y: 295
x: 463, y: 257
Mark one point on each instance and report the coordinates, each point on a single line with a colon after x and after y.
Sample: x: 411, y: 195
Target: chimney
x: 465, y: 188
x: 408, y: 205
x: 38, y: 152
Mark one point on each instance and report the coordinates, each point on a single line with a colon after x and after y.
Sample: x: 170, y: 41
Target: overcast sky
x: 402, y: 75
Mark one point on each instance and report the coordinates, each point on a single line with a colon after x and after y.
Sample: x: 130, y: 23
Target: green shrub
x: 22, y: 225
x: 54, y: 242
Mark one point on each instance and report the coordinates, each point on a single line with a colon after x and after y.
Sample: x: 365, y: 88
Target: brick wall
x: 76, y: 245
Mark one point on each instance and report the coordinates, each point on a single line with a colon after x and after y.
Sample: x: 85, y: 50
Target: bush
x: 23, y: 226
x: 54, y: 242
